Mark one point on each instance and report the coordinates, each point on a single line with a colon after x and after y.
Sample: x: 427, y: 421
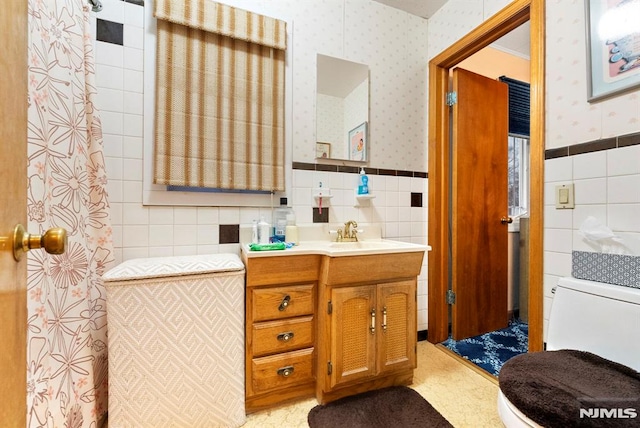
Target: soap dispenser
x: 363, y: 183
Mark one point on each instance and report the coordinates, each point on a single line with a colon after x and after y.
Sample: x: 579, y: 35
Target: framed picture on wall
x: 358, y: 143
x: 323, y: 150
x: 613, y: 47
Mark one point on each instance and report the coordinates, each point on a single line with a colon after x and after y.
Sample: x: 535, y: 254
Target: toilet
x: 599, y: 318
x: 176, y: 341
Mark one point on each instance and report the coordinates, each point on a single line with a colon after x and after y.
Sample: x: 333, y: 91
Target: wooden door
x: 352, y: 337
x: 397, y: 334
x: 13, y: 207
x: 479, y: 202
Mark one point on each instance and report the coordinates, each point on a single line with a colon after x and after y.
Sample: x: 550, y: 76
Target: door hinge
x: 451, y: 297
x: 452, y: 98
x: 329, y: 308
x: 329, y: 368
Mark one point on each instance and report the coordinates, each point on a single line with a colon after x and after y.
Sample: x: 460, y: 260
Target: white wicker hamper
x: 176, y: 342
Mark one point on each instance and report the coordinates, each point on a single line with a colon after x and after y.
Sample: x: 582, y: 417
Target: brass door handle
x: 384, y: 319
x: 505, y: 220
x: 54, y: 241
x: 372, y: 329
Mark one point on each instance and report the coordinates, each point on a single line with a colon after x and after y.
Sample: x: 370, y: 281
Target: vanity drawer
x: 271, y: 303
x: 282, y: 336
x: 282, y: 370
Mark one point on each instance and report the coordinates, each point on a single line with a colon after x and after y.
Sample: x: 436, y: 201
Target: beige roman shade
x: 219, y: 97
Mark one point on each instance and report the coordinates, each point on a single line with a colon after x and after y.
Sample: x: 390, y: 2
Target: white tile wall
x: 623, y: 161
x: 607, y: 187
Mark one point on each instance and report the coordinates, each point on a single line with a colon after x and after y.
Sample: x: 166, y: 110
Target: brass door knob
x: 506, y: 220
x: 54, y: 241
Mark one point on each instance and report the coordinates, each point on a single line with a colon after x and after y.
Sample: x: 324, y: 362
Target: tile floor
x: 461, y: 392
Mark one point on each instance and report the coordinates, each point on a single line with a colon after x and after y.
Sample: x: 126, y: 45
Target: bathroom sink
x: 313, y: 240
x: 373, y: 247
x: 366, y: 245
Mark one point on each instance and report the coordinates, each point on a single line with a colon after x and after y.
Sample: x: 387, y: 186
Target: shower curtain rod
x: 96, y: 5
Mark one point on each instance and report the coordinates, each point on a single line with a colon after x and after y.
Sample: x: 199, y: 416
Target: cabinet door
x: 352, y: 334
x: 397, y: 320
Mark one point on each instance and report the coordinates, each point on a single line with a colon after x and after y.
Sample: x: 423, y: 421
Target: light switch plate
x: 565, y: 197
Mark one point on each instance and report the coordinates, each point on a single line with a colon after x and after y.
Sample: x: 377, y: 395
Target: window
x: 518, y: 146
x: 518, y: 175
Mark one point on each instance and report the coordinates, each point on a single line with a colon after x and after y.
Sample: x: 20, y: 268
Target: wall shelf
x: 362, y: 199
x: 318, y: 196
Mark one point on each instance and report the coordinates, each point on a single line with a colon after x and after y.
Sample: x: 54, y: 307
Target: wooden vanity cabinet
x: 367, y: 321
x: 280, y: 329
x: 372, y: 331
x: 310, y: 325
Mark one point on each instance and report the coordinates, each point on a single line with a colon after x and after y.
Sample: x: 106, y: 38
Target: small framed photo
x: 323, y: 150
x: 613, y: 47
x: 358, y: 143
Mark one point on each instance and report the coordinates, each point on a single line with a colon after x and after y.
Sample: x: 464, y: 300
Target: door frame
x: 512, y: 16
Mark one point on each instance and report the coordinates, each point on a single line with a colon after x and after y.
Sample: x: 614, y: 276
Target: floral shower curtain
x: 67, y: 343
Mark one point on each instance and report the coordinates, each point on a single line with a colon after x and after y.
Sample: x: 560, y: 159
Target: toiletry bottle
x: 363, y: 183
x: 264, y: 230
x: 254, y: 232
x: 280, y: 220
x: 291, y: 232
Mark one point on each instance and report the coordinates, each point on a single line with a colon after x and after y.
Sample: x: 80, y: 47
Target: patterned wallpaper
x: 570, y: 118
x: 393, y: 44
x: 330, y: 122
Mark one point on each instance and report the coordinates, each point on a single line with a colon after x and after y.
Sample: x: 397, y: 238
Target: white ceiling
x: 422, y: 8
x: 516, y: 42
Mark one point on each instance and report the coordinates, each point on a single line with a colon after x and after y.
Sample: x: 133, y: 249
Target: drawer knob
x: 285, y: 302
x: 285, y: 371
x: 285, y: 337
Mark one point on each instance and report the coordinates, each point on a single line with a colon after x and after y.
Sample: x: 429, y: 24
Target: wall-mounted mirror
x: 342, y: 109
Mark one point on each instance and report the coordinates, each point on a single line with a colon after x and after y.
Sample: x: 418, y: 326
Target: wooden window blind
x: 219, y: 97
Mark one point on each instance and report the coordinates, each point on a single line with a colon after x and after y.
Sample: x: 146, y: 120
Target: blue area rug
x: 491, y: 350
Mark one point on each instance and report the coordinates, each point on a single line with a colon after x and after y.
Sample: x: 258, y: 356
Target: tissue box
x: 615, y: 269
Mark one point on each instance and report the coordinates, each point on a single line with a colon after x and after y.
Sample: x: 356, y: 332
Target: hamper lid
x: 157, y: 267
